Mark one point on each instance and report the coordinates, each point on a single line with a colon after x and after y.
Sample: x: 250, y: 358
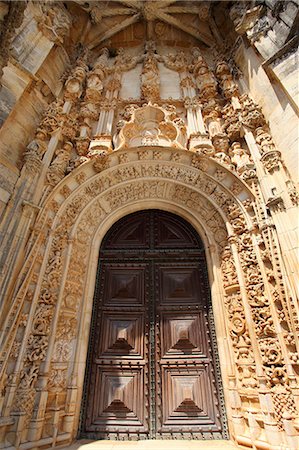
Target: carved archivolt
x: 58, y: 285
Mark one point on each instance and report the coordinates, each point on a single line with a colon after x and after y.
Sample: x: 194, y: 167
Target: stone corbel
x: 99, y: 149
x: 201, y: 143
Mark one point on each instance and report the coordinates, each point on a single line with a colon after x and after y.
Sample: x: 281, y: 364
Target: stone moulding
x: 58, y: 287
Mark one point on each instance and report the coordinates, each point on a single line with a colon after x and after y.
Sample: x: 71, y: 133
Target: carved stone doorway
x: 152, y: 367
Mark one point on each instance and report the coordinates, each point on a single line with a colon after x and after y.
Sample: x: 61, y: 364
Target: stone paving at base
x: 152, y: 445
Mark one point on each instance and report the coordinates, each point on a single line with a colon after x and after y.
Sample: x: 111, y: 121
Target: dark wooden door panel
x: 117, y: 400
x: 188, y: 400
x: 180, y: 285
x: 151, y: 361
x: 124, y: 285
x: 122, y: 335
x: 184, y: 336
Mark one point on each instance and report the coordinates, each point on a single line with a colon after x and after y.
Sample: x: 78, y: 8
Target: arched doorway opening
x: 152, y: 369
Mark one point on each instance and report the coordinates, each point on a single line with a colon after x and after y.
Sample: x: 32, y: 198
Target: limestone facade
x: 113, y: 107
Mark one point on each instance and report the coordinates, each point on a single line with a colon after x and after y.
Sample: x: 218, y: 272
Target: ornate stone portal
x: 107, y: 147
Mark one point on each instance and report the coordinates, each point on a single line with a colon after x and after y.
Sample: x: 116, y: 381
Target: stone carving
x: 205, y: 80
x: 53, y: 21
x: 53, y: 117
x: 255, y: 299
x: 95, y: 77
x: 221, y: 145
x: 39, y: 143
x: 150, y: 90
x: 271, y: 157
x: 212, y: 116
x: 74, y: 83
x: 123, y: 62
x: 228, y: 86
x: 57, y: 380
x: 252, y: 115
x: 240, y: 158
x: 135, y: 191
x: 293, y: 193
x: 244, y: 19
x: 59, y: 165
x: 35, y: 151
x: 176, y: 61
x: 12, y: 14
x: 265, y: 141
x: 232, y: 123
x: 150, y: 125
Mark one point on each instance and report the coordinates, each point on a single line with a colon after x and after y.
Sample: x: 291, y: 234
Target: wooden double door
x: 151, y: 371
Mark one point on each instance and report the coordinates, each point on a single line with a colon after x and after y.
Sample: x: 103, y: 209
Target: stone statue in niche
x: 205, y: 80
x: 39, y: 144
x: 221, y: 145
x: 150, y: 89
x: 265, y: 141
x: 228, y: 86
x: 57, y: 169
x: 74, y: 83
x: 240, y: 158
x: 96, y: 77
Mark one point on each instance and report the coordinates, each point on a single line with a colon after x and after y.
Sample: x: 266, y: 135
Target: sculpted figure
x: 176, y: 61
x: 252, y: 115
x: 204, y: 78
x: 35, y: 151
x: 39, y: 144
x: 221, y: 142
x: 124, y: 61
x: 229, y: 87
x: 221, y: 145
x: 150, y: 75
x: 59, y: 166
x: 240, y: 157
x: 96, y: 76
x: 265, y: 141
x: 73, y: 85
x: 54, y: 22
